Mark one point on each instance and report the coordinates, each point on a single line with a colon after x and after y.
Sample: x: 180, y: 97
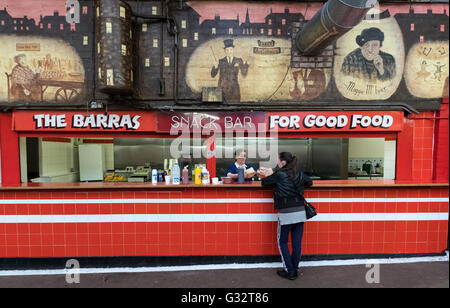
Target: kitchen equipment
x: 367, y: 167
x: 161, y: 175
x: 92, y: 162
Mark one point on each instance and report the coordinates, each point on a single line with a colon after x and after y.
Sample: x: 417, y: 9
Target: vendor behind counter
x: 240, y: 157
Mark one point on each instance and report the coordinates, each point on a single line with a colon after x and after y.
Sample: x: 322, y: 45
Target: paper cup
x: 167, y: 178
x: 215, y: 181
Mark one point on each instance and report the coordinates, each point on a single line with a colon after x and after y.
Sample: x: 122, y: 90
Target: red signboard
x: 207, y: 122
x: 335, y: 121
x: 77, y: 121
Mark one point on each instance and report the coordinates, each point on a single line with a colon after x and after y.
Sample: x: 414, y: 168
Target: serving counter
x: 141, y: 219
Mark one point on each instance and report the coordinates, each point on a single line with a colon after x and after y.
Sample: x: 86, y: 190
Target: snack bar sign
x: 82, y: 121
x: 335, y: 121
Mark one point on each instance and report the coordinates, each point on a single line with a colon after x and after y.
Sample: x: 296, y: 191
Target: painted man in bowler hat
x: 229, y: 67
x: 369, y: 62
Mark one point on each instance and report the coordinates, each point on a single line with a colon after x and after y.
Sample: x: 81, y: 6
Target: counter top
x: 256, y: 185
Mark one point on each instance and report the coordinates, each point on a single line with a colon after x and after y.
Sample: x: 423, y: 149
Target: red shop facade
x: 404, y: 214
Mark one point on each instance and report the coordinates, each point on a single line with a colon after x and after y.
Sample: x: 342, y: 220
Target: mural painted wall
x: 44, y: 59
x: 397, y: 53
x: 39, y: 69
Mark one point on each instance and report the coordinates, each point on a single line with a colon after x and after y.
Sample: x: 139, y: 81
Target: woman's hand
x: 264, y: 172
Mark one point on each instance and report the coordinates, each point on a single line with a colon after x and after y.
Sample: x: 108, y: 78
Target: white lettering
x: 126, y: 121
x: 175, y: 122
x: 342, y: 121
x: 77, y: 121
x: 365, y: 122
x: 136, y: 122
x: 38, y: 119
x: 61, y: 121
x: 89, y: 121
x: 228, y: 122
x: 273, y: 121
x: 113, y: 121
x: 309, y: 120
x: 49, y: 121
x: 102, y: 121
x: 356, y: 119
x: 387, y: 121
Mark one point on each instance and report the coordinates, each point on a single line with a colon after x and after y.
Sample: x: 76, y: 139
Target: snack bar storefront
x: 77, y: 184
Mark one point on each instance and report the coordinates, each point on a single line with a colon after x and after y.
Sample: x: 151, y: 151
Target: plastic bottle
x: 176, y: 174
x: 205, y: 176
x: 154, y: 176
x: 198, y: 176
x: 241, y: 178
x: 185, y: 175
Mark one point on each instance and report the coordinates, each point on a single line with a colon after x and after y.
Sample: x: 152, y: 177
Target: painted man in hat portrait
x: 369, y: 62
x: 229, y: 67
x: 24, y: 85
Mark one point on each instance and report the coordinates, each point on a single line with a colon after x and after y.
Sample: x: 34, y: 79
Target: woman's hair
x: 291, y: 164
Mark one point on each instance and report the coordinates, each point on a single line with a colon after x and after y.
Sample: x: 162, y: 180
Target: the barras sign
x: 83, y: 121
x: 335, y: 121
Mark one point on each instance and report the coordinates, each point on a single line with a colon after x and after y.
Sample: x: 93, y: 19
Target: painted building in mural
x: 47, y: 59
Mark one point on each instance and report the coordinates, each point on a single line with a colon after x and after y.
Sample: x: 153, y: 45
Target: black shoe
x: 286, y: 275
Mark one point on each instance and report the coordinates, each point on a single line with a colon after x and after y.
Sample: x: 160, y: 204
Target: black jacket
x: 286, y: 192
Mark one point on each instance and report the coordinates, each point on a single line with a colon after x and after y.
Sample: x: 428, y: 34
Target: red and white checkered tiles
x: 218, y: 221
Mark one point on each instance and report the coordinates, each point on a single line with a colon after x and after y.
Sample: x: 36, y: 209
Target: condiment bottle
x: 185, y: 175
x: 205, y: 176
x: 198, y: 176
x: 176, y: 174
x: 154, y: 176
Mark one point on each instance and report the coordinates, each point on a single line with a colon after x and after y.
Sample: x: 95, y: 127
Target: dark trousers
x: 290, y: 261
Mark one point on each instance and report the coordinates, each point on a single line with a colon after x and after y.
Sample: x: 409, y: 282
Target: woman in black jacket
x: 289, y: 184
